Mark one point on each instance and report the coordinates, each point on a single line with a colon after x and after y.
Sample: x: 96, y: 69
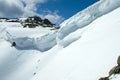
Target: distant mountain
x: 31, y: 22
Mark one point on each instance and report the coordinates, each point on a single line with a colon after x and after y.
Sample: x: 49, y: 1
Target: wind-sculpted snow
x: 46, y: 42
x: 85, y: 17
x: 43, y: 43
x: 25, y: 38
x: 90, y: 57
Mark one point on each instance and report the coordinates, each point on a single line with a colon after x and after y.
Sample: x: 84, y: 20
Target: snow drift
x: 85, y: 17
x: 91, y: 56
x: 90, y: 47
x: 42, y: 43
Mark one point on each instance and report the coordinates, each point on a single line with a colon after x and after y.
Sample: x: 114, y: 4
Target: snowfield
x: 91, y: 56
x: 85, y: 17
x: 85, y: 48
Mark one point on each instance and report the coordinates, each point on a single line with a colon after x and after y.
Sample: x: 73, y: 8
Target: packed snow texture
x: 91, y: 56
x: 24, y: 58
x: 87, y: 47
x: 42, y: 43
x: 85, y: 17
x: 39, y: 38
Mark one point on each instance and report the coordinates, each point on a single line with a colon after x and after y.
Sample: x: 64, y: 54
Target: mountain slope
x: 91, y: 56
x: 23, y: 59
x: 85, y: 48
x: 85, y: 17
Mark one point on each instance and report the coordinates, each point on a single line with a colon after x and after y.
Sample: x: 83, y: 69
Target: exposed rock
x: 37, y: 18
x: 114, y: 70
x: 13, y: 44
x: 46, y: 21
x: 3, y: 19
x: 34, y: 73
x: 104, y: 78
x: 35, y: 21
x: 118, y: 61
x: 32, y: 22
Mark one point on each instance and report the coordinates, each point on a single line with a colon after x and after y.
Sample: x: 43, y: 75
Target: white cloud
x: 25, y: 8
x: 16, y: 8
x: 54, y: 17
x: 33, y: 1
x: 30, y: 7
x: 10, y: 8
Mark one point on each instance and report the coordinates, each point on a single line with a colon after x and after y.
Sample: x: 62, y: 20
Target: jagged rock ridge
x: 31, y: 22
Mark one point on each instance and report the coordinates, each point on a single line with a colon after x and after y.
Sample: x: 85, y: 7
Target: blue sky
x: 55, y: 10
x: 66, y: 8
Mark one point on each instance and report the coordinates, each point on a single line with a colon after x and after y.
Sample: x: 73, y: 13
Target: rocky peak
x: 35, y: 21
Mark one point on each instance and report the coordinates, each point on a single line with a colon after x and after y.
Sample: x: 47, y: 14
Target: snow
x: 91, y: 56
x: 86, y: 16
x: 24, y: 58
x: 23, y: 32
x: 28, y: 38
x: 42, y: 43
x: 115, y: 77
x: 10, y: 24
x: 85, y: 48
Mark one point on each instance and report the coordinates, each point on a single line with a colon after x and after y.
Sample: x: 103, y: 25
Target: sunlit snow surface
x: 91, y: 56
x: 22, y: 60
x: 85, y: 48
x: 85, y: 17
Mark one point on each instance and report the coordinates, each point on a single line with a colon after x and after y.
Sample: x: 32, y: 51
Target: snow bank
x: 91, y: 56
x: 26, y: 38
x: 46, y: 42
x: 85, y: 17
x: 42, y: 43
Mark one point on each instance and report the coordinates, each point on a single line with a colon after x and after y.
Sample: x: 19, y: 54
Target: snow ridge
x: 42, y: 43
x: 64, y: 36
x: 94, y: 53
x: 85, y: 17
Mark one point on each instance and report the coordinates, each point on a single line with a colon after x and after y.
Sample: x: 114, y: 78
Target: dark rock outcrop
x: 32, y: 22
x: 104, y: 78
x: 13, y: 44
x: 118, y: 61
x: 3, y: 19
x: 114, y: 70
x: 46, y: 21
x: 35, y: 21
